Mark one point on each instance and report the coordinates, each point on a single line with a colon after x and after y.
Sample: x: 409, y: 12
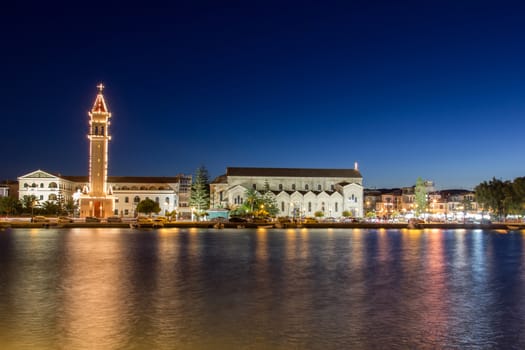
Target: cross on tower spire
x: 100, y: 87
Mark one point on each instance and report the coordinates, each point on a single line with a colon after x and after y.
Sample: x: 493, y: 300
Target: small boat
x: 218, y: 225
x: 513, y: 227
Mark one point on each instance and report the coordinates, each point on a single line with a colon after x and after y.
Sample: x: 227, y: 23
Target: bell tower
x: 96, y: 199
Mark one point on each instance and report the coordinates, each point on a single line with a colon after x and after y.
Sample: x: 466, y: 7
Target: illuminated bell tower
x: 97, y: 200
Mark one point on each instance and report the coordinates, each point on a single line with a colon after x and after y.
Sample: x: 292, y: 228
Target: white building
x: 172, y: 193
x: 297, y: 191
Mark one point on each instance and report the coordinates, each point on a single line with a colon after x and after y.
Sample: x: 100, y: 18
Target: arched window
x: 293, y: 187
x: 124, y: 188
x: 52, y: 185
x: 282, y: 206
x: 136, y: 199
x: 52, y: 197
x: 319, y: 188
x: 309, y: 206
x: 280, y: 187
x: 33, y: 185
x: 306, y: 187
x: 143, y: 188
x: 167, y: 200
x: 157, y: 199
x: 26, y: 185
x: 41, y: 185
x: 96, y: 130
x: 126, y: 200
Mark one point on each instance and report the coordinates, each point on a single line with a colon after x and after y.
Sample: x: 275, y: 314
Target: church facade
x: 100, y: 195
x: 299, y: 192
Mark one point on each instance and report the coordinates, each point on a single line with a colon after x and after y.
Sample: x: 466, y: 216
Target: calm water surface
x: 261, y: 289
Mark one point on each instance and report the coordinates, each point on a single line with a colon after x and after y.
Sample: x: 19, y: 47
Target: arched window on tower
x: 96, y: 130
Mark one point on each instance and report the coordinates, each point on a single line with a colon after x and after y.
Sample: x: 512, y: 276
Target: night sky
x: 408, y: 89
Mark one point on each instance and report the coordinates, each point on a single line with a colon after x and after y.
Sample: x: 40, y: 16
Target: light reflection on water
x: 259, y: 289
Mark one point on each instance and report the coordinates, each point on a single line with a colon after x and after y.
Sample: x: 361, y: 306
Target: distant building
x: 297, y: 191
x: 9, y: 188
x: 443, y: 204
x: 101, y: 195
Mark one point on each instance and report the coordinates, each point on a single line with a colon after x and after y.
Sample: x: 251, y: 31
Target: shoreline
x: 208, y: 224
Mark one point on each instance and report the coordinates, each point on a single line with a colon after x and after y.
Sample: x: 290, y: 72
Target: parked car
x: 92, y: 219
x: 144, y: 220
x: 39, y: 218
x: 158, y: 222
x: 114, y: 219
x: 64, y: 220
x: 237, y: 219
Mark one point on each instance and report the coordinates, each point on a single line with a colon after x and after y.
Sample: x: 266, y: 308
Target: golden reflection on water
x: 93, y: 314
x: 434, y: 295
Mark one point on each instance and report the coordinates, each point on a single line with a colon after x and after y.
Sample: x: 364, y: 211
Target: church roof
x: 292, y: 172
x: 128, y: 179
x: 221, y: 179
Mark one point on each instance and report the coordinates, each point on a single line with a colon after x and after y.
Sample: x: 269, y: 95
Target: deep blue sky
x: 406, y: 88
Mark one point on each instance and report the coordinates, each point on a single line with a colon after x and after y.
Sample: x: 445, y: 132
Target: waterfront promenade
x: 210, y: 224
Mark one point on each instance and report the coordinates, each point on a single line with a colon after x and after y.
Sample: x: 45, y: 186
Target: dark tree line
x: 502, y: 197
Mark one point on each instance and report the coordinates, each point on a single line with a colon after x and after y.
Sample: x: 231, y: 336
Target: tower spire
x: 100, y: 104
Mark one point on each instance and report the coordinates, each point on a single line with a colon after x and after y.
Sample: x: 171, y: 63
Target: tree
x: 319, y: 214
x: 347, y: 214
x: 420, y: 196
x: 270, y: 204
x: 9, y: 205
x: 491, y: 196
x: 252, y: 200
x: 49, y: 208
x: 148, y: 206
x: 200, y: 191
x: 29, y: 203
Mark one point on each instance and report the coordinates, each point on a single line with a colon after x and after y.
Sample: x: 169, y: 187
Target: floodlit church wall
x: 291, y: 198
